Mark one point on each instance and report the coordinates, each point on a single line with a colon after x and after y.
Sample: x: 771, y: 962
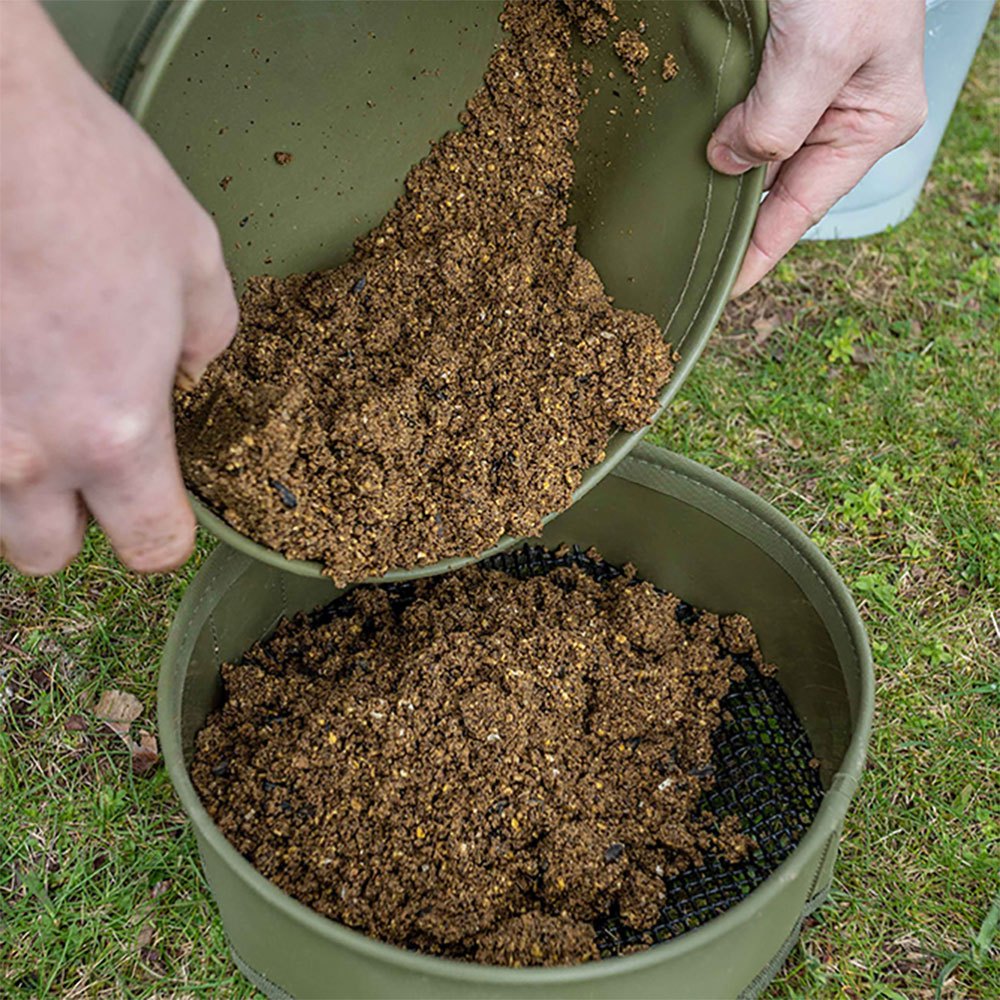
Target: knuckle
x: 767, y: 143
x: 21, y: 462
x: 760, y: 246
x: 808, y: 214
x: 117, y: 438
x: 914, y: 119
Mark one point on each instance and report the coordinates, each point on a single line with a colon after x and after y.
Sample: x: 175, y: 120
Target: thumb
x: 788, y: 99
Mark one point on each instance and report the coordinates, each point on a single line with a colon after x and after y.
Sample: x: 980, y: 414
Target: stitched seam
x: 770, y: 971
x: 708, y: 194
x: 194, y: 617
x: 711, y: 185
x: 831, y: 842
x: 268, y: 985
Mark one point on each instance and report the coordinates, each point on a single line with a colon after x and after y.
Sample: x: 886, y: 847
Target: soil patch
x: 453, y: 380
x: 480, y: 766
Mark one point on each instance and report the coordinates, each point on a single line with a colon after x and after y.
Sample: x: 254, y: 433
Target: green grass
x: 869, y: 414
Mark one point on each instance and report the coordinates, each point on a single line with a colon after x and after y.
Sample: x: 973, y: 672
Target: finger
x: 138, y: 497
x: 771, y: 174
x: 40, y: 529
x: 805, y: 189
x: 21, y: 460
x: 211, y: 317
x: 789, y: 97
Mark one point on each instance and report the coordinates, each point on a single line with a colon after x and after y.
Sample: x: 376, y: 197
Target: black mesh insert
x: 763, y: 775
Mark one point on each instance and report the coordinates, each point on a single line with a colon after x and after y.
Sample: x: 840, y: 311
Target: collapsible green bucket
x: 686, y: 529
x: 355, y: 91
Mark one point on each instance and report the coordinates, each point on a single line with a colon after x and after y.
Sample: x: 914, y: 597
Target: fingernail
x: 725, y: 159
x: 186, y: 381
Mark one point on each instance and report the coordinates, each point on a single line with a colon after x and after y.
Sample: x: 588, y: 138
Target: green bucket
x: 686, y: 529
x: 356, y: 90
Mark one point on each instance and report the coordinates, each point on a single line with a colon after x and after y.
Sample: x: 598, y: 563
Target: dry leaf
x: 118, y: 709
x: 149, y: 955
x: 152, y: 960
x: 41, y: 677
x: 145, y: 753
x: 76, y: 724
x: 793, y: 441
x: 764, y: 327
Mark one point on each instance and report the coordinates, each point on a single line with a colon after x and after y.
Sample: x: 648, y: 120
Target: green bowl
x: 686, y: 529
x: 355, y: 91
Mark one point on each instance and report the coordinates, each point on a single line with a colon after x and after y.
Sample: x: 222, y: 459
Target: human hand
x: 113, y: 283
x: 840, y: 85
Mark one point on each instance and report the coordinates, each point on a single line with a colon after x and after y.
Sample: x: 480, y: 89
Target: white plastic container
x: 889, y: 191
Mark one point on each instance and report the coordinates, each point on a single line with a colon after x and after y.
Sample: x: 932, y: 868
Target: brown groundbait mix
x: 453, y: 380
x: 484, y: 772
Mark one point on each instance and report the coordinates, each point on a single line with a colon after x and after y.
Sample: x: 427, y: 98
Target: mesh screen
x: 763, y: 775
